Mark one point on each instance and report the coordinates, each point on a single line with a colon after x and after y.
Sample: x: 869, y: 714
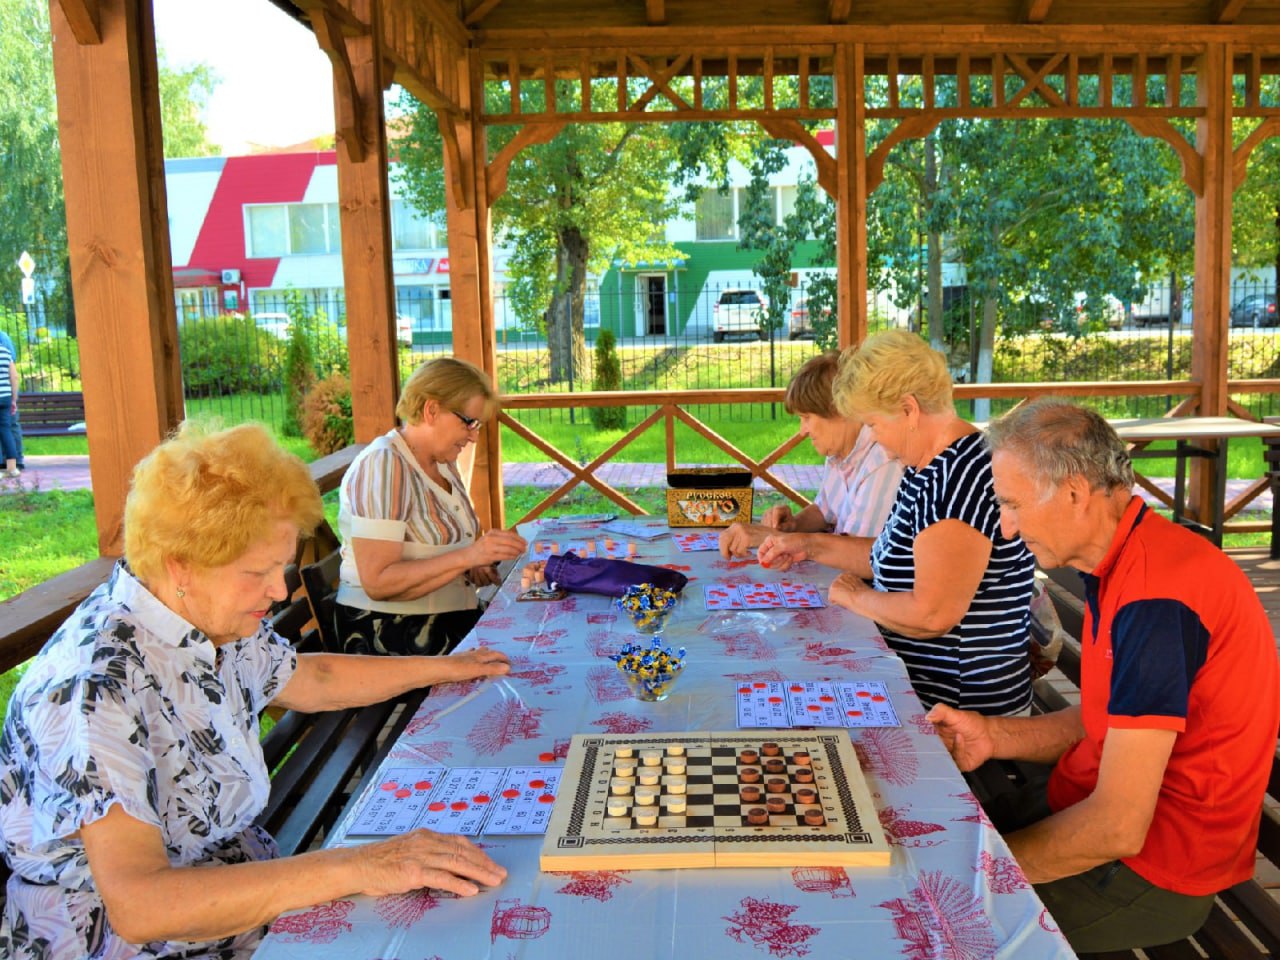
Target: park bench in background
x: 53, y: 414
x: 1245, y: 907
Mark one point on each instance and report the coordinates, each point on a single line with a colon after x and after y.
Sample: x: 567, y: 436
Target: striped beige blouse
x: 386, y: 495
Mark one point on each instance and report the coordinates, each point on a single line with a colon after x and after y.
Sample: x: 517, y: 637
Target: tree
x: 184, y: 97
x: 595, y: 195
x: 30, y: 159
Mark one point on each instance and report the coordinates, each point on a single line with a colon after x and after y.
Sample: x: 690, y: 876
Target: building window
x: 409, y: 229
x: 307, y: 231
x: 715, y: 215
x: 786, y: 203
x: 278, y: 229
x: 268, y: 230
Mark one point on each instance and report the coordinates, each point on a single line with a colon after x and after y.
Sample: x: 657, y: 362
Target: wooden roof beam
x: 840, y: 11
x: 1035, y: 11
x: 349, y: 24
x: 82, y: 18
x: 480, y: 11
x: 443, y: 17
x: 655, y: 12
x: 349, y: 120
x: 1226, y: 11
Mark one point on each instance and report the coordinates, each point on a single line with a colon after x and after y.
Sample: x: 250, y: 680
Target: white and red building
x: 246, y: 230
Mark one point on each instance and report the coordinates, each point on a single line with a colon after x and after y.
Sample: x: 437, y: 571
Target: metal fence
x: 712, y: 337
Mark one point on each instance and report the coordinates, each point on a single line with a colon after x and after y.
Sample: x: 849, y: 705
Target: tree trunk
x: 986, y: 353
x: 564, y: 316
x: 934, y: 280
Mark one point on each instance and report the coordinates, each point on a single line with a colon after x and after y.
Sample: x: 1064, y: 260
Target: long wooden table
x: 1203, y: 438
x: 952, y: 889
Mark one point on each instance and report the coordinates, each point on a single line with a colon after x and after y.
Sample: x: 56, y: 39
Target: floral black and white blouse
x: 129, y: 704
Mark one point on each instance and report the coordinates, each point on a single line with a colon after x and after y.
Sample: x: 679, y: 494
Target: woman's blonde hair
x: 448, y: 381
x: 888, y: 367
x: 205, y: 496
x: 810, y: 389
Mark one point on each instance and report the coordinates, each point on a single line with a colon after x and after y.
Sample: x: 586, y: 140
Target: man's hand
x: 779, y: 518
x: 782, y: 551
x: 422, y: 859
x: 966, y: 735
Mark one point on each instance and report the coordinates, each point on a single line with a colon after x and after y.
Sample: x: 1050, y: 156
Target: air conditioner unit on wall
x: 230, y: 276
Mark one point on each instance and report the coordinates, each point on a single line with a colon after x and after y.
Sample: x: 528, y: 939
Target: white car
x: 738, y: 312
x: 276, y: 324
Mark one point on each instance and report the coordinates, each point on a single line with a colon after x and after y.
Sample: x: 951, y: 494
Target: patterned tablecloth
x: 952, y: 891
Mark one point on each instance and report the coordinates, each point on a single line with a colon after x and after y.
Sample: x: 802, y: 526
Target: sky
x: 275, y: 86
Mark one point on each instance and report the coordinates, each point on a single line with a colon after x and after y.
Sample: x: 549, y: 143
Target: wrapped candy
x: 650, y: 673
x: 647, y: 606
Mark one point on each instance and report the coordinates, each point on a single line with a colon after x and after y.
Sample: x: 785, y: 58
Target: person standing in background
x: 10, y: 435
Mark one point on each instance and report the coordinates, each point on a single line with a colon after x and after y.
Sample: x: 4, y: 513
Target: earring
x: 181, y: 593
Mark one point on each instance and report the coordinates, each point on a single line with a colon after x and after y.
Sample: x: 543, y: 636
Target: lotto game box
x: 708, y: 497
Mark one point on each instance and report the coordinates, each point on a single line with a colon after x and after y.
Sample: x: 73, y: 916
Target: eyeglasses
x: 471, y: 423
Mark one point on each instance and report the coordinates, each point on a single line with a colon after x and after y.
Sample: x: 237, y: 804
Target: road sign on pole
x: 28, y: 291
x: 26, y: 264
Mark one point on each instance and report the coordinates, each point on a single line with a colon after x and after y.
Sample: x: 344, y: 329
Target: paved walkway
x: 72, y: 473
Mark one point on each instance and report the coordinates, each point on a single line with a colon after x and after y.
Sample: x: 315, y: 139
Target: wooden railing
x: 30, y: 617
x: 670, y: 409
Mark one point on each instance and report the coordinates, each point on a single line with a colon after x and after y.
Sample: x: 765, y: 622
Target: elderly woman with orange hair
x: 131, y: 774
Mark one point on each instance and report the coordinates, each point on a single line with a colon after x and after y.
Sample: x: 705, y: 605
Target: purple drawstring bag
x: 609, y: 577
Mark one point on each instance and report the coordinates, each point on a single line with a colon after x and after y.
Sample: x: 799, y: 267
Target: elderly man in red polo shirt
x: 1153, y: 801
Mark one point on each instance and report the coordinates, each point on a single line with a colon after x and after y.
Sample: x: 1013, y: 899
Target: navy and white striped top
x: 982, y: 663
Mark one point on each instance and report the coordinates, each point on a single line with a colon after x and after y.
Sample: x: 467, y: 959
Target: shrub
x: 608, y: 376
x: 53, y: 363
x: 228, y: 354
x: 326, y: 415
x: 299, y: 368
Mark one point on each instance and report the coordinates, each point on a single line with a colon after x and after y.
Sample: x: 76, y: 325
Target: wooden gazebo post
x: 851, y: 201
x: 104, y: 60
x: 364, y: 201
x: 470, y: 227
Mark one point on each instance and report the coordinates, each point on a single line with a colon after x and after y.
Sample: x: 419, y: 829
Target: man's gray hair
x: 1058, y: 439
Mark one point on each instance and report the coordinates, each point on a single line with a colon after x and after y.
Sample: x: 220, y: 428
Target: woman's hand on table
x: 779, y: 518
x: 485, y: 576
x: 965, y: 734
x: 845, y: 590
x: 469, y: 664
x: 782, y: 551
x: 735, y: 540
x: 496, y: 546
x: 423, y: 859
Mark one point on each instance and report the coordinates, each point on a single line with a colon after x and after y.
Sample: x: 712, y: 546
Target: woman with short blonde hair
x: 131, y: 772
x: 413, y: 553
x: 949, y: 593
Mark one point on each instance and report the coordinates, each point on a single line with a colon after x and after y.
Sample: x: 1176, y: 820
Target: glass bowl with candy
x: 647, y: 606
x: 650, y: 673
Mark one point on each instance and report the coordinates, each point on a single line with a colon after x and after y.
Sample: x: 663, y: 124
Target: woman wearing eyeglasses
x: 413, y: 554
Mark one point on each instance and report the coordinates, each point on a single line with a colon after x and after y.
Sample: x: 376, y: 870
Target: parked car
x: 738, y: 312
x: 801, y: 325
x: 276, y: 324
x: 1156, y: 310
x: 1255, y: 310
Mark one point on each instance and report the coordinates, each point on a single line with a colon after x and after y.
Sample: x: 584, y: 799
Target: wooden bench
x: 54, y: 414
x: 1246, y: 906
x: 316, y: 759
